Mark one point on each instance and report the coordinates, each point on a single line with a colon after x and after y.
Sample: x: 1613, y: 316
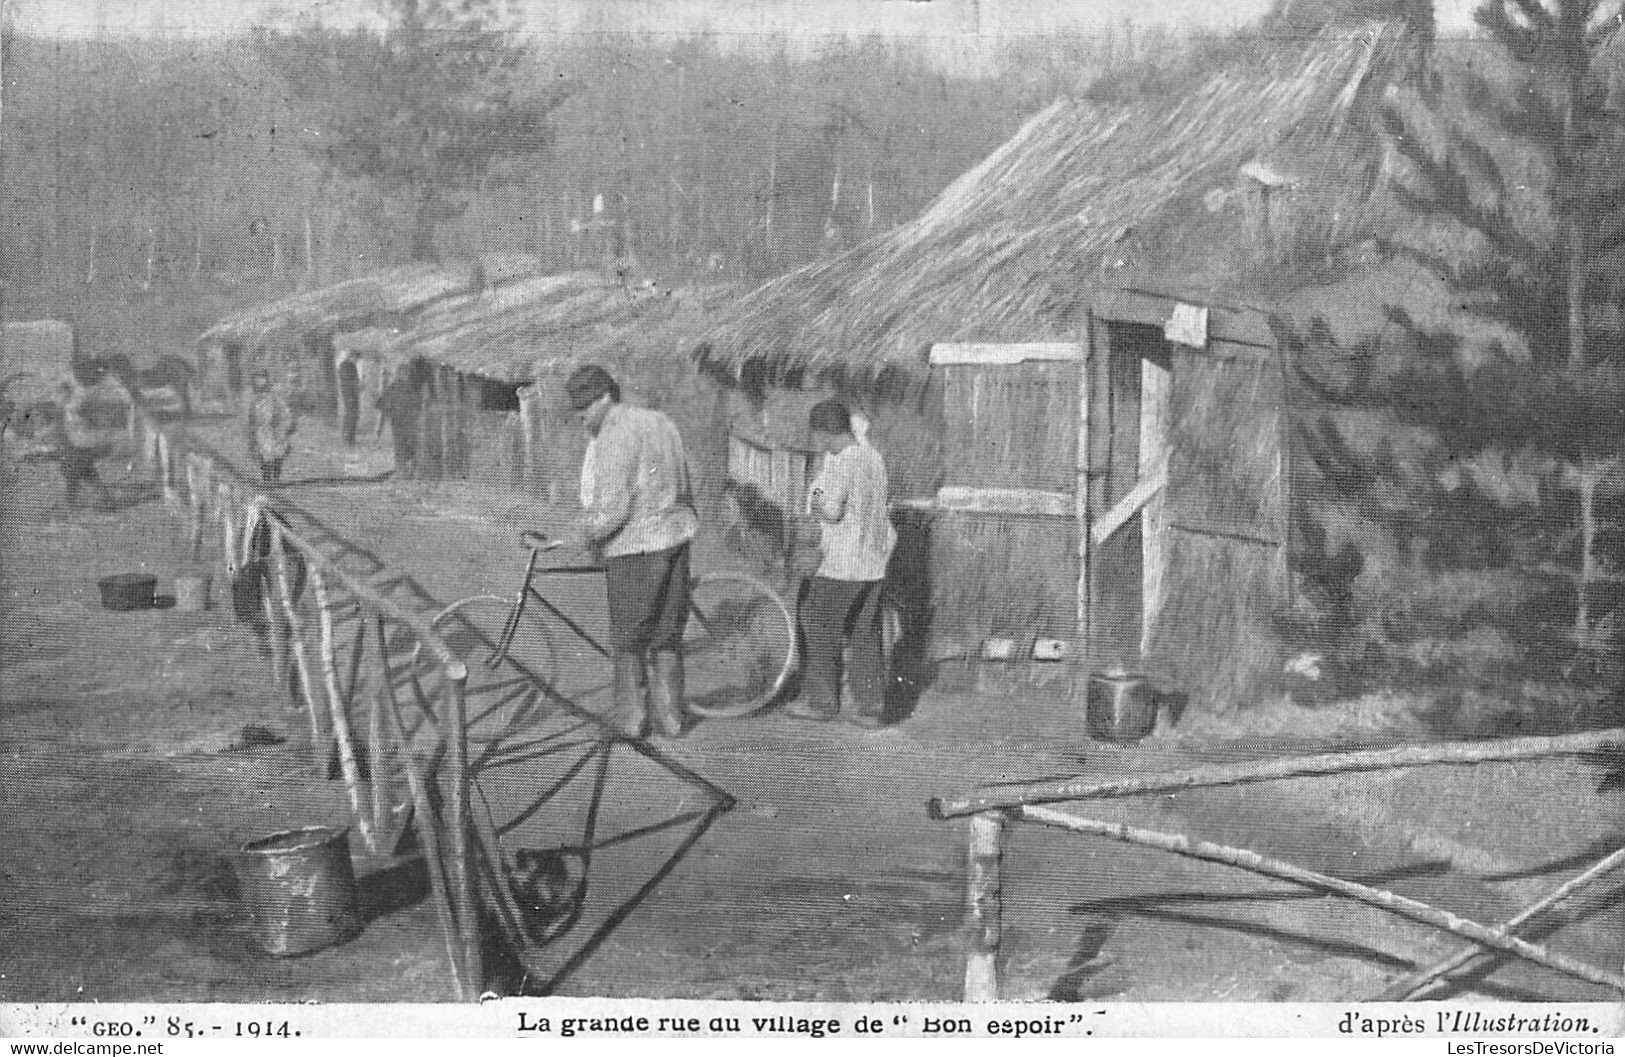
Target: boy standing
x: 842, y: 602
x: 270, y: 428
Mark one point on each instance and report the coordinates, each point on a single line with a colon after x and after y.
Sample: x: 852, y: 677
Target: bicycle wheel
x: 504, y: 695
x: 739, y: 645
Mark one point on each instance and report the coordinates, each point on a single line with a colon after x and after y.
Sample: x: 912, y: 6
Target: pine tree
x: 1521, y: 160
x: 425, y: 111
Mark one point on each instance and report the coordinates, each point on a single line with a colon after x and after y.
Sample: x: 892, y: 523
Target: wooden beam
x: 1051, y: 791
x: 1128, y: 506
x: 1253, y: 862
x: 1028, y: 501
x: 950, y: 354
x: 1235, y: 326
x: 1081, y: 498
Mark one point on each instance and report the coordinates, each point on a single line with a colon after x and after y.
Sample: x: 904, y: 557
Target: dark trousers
x: 648, y: 599
x: 79, y: 470
x: 833, y: 614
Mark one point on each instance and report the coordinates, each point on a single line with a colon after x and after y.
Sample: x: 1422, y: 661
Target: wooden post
x: 1081, y: 646
x: 429, y: 836
x: 461, y: 822
x: 338, y: 707
x: 984, y: 896
x: 165, y: 478
x: 301, y: 662
x: 194, y: 509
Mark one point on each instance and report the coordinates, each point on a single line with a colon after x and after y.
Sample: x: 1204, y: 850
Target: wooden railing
x: 382, y: 693
x: 990, y: 812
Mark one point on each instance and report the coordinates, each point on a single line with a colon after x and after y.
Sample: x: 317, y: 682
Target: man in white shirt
x: 842, y: 602
x: 640, y: 517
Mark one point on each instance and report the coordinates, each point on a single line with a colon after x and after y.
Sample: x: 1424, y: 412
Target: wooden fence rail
x: 344, y: 653
x: 991, y: 810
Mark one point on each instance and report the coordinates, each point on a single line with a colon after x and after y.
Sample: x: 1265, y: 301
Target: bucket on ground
x: 123, y: 592
x: 1121, y: 706
x: 192, y: 592
x: 299, y: 885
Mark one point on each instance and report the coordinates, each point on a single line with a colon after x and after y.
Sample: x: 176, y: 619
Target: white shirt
x: 849, y: 500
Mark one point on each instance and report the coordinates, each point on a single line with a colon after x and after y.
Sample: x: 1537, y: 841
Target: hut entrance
x: 1118, y: 502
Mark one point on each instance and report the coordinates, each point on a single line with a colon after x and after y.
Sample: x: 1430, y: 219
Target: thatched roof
x: 1019, y: 242
x: 518, y: 332
x: 367, y: 301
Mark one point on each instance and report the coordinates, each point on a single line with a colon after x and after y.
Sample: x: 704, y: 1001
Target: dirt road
x: 136, y: 758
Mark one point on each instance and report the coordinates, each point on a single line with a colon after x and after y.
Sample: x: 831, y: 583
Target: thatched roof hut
x: 350, y: 305
x: 1087, y: 195
x: 517, y: 333
x: 1066, y: 373
x: 489, y: 368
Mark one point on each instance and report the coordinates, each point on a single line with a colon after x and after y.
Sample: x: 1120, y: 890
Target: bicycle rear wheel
x: 739, y: 646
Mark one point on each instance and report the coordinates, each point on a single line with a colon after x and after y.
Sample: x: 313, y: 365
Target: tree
x: 1518, y: 162
x: 425, y: 111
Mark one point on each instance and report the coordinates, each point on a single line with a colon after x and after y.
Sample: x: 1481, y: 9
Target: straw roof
x: 1018, y: 242
x: 517, y: 333
x: 350, y: 305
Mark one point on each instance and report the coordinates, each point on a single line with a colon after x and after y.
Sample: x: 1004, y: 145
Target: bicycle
x: 739, y: 646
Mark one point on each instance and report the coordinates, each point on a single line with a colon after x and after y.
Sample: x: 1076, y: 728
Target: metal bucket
x: 300, y: 888
x: 124, y: 592
x: 1121, y: 707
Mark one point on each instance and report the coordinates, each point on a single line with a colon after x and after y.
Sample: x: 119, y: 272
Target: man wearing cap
x: 640, y: 516
x: 842, y: 601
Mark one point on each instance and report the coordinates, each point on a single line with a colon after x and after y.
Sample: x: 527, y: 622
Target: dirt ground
x: 141, y: 748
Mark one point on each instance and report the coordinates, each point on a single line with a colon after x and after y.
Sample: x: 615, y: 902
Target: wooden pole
x: 429, y: 837
x: 1081, y: 501
x: 337, y: 706
x: 1414, y: 984
x: 377, y: 773
x: 1253, y: 862
x: 984, y: 906
x: 165, y: 476
x: 1080, y: 788
x: 301, y: 662
x: 461, y: 822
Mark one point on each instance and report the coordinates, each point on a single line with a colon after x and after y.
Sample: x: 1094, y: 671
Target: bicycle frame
x: 527, y: 591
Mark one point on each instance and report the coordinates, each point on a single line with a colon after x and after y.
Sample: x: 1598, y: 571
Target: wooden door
x: 1005, y: 540
x: 1225, y: 510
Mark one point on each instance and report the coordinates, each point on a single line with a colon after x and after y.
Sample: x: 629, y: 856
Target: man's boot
x: 666, y: 692
x: 630, y: 716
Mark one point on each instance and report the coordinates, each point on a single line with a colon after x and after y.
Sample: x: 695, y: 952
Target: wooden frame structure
x: 992, y: 811
x: 382, y: 692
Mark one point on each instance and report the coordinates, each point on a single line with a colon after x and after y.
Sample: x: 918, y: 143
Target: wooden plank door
x: 1005, y: 542
x: 1225, y: 512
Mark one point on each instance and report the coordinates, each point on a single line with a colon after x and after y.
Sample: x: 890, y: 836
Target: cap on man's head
x: 830, y: 416
x: 587, y: 384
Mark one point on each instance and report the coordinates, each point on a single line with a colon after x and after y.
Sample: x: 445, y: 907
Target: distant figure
x: 842, y: 601
x: 79, y: 445
x: 640, y: 515
x: 349, y: 398
x: 270, y: 428
x: 397, y: 405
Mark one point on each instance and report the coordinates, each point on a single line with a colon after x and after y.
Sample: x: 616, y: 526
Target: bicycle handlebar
x: 536, y: 541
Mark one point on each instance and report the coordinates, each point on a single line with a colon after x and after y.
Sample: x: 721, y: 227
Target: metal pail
x: 300, y: 888
x: 1121, y: 707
